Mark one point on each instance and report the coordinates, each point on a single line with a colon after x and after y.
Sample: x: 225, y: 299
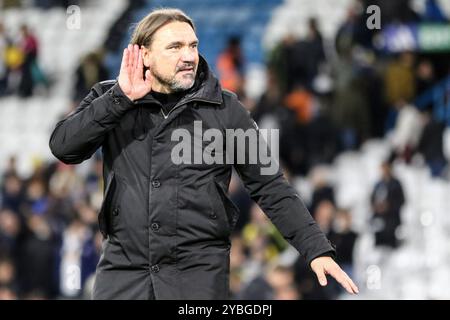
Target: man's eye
x: 174, y: 47
x: 194, y: 45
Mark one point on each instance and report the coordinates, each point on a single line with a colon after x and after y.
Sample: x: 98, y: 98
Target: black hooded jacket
x: 167, y: 225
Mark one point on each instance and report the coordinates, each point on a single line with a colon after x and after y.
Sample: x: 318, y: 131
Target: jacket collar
x: 206, y: 88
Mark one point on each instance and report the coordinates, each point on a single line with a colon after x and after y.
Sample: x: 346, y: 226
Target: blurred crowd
x: 39, y: 4
x: 324, y: 101
x: 49, y: 244
x: 354, y: 92
x: 20, y: 72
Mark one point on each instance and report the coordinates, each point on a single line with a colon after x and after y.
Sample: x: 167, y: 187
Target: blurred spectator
x: 315, y: 40
x: 276, y: 284
x: 399, y: 79
x: 14, y: 58
x: 36, y: 197
x: 406, y: 133
x: 387, y: 200
x: 11, y: 167
x: 425, y: 77
x: 301, y: 101
x: 431, y: 144
x: 66, y: 183
x: 269, y: 104
x: 321, y: 128
x: 89, y: 72
x: 7, y: 273
x: 394, y: 11
x: 293, y: 151
x: 306, y: 280
x: 37, y: 259
x: 324, y: 215
x: 344, y: 40
x: 7, y: 293
x: 12, y: 196
x: 316, y: 51
x: 308, y: 285
x: 271, y: 112
x: 78, y: 254
x: 301, y: 72
x: 344, y: 238
x: 3, y: 67
x: 8, y: 282
x: 238, y: 260
x: 20, y: 72
x: 351, y: 113
x: 10, y: 229
x: 94, y: 177
x: 322, y: 189
x: 47, y: 4
x: 433, y: 12
x: 353, y: 31
x: 262, y: 240
x: 288, y: 70
x: 230, y: 66
x: 11, y: 4
x: 29, y: 46
x: 280, y: 73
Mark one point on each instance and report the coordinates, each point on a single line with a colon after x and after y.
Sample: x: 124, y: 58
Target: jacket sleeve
x: 82, y: 132
x: 276, y: 197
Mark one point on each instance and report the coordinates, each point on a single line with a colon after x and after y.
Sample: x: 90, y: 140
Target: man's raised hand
x: 131, y: 79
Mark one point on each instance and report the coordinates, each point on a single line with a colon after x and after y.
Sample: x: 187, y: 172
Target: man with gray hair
x: 167, y: 225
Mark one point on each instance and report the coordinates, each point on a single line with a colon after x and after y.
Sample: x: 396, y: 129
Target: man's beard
x: 174, y: 84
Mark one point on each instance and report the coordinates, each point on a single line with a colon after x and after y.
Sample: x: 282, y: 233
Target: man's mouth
x: 186, y: 69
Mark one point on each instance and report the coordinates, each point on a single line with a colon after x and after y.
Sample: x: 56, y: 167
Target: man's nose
x: 188, y: 55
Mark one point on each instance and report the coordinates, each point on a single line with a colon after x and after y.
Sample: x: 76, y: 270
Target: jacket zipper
x: 185, y: 102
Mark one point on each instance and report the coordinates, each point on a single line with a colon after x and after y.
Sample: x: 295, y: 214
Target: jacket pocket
x: 102, y: 219
x: 110, y: 208
x: 226, y: 208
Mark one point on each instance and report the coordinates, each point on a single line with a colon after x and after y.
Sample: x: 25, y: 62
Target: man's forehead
x: 175, y: 31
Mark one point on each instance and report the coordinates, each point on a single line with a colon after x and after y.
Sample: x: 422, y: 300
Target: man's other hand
x: 323, y: 266
x: 131, y: 78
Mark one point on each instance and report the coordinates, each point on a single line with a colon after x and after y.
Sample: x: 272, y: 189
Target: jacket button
x: 116, y: 211
x: 116, y: 100
x: 155, y: 268
x: 213, y: 216
x: 155, y: 226
x: 156, y: 183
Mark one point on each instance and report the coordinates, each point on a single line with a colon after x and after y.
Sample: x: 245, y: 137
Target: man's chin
x: 183, y: 85
x: 186, y: 76
x: 186, y: 83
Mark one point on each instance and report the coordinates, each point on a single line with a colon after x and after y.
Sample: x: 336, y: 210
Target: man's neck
x: 158, y: 87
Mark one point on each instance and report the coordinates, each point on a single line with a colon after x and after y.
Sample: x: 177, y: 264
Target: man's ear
x: 146, y: 56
